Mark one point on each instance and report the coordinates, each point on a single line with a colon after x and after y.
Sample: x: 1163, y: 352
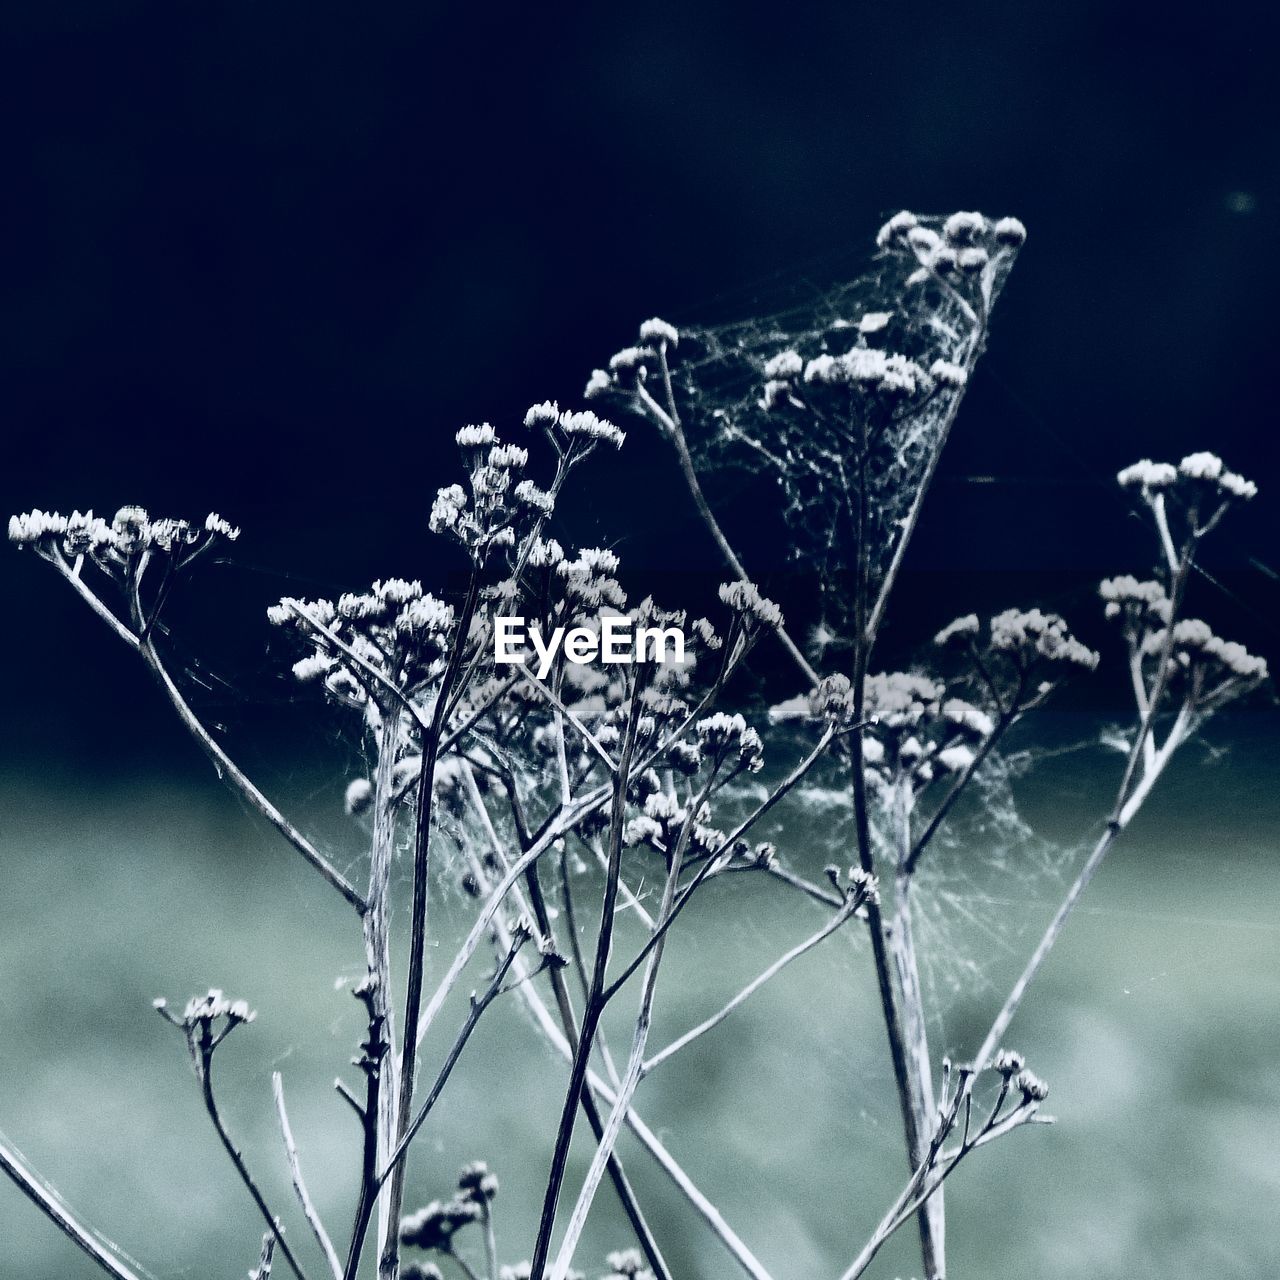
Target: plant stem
x: 390, y: 1244
x: 299, y: 1185
x: 52, y: 1207
x: 211, y: 1106
x: 595, y: 1002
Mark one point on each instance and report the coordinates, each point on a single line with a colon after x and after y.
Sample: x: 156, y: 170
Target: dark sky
x: 267, y: 257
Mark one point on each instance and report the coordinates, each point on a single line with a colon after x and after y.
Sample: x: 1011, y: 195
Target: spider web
x: 718, y: 377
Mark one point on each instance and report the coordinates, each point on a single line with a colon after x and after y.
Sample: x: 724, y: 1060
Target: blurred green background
x: 1155, y: 1023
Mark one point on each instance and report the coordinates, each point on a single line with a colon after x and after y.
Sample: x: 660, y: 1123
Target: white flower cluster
x: 202, y: 1012
x: 721, y: 734
x: 631, y: 365
x: 1203, y: 469
x: 868, y: 369
x: 899, y: 700
x: 962, y: 629
x: 752, y: 608
x: 1194, y: 644
x: 113, y: 544
x: 964, y: 715
x: 1143, y: 603
x: 1033, y: 634
x: 577, y: 431
x: 488, y: 515
x: 627, y: 1264
x: 395, y: 627
x: 963, y: 245
x: 588, y: 580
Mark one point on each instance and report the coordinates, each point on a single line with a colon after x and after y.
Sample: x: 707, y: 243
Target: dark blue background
x: 267, y: 257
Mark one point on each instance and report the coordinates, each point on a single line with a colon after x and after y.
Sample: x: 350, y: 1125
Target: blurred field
x: 1155, y: 1024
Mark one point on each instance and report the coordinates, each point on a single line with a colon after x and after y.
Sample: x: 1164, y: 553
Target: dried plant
x: 488, y: 775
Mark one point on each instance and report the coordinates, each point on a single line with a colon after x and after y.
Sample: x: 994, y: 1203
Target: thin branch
x: 237, y: 1159
x: 595, y: 1001
x: 665, y: 923
x: 299, y: 1185
x: 418, y: 919
x: 746, y: 993
x: 52, y: 1207
x: 226, y: 769
x: 474, y: 1013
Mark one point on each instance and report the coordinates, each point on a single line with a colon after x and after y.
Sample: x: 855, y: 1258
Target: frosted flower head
x: 358, y: 796
x: 1033, y: 1088
x: 752, y: 608
x: 654, y: 332
x: 896, y: 229
x: 478, y: 1182
x: 784, y: 365
x: 507, y: 457
x: 221, y: 528
x: 924, y: 241
x: 962, y: 629
x: 948, y: 374
x: 131, y: 529
x: 597, y: 384
x: 476, y: 436
x: 1151, y: 476
x: 900, y: 700
x: 1237, y: 486
x: 874, y: 322
x: 447, y: 509
x: 1137, y: 602
x: 544, y: 552
x: 964, y: 715
x: 832, y: 699
x: 705, y: 633
x: 1010, y: 233
x: 964, y: 228
x: 313, y: 667
x: 1195, y: 645
x: 32, y: 527
x: 425, y: 617
x: 1008, y: 1063
x: 720, y: 732
x: 630, y: 360
x: 433, y: 1226
x: 545, y: 415
x: 955, y: 759
x: 1032, y: 634
x: 972, y: 260
x: 628, y: 1263
x: 530, y: 495
x: 1201, y: 466
x: 587, y: 428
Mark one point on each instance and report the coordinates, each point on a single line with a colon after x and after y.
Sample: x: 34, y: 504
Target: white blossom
x: 786, y: 364
x: 1201, y: 466
x: 962, y: 628
x: 656, y: 330
x: 1148, y: 474
x: 546, y: 414
x: 1011, y: 232
x: 950, y: 375
x: 964, y: 228
x: 476, y: 437
x: 896, y: 227
x: 358, y: 797
x: 744, y: 598
x: 955, y: 759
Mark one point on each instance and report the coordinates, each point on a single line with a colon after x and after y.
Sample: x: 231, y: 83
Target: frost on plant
x: 553, y: 798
